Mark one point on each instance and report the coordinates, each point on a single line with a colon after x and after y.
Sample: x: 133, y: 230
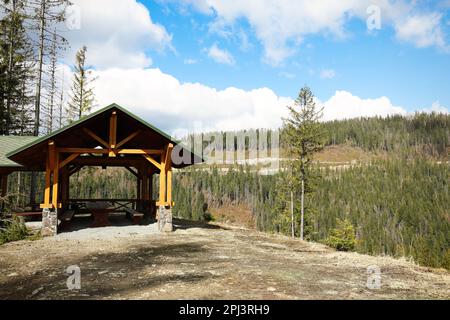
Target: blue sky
x: 229, y: 64
x: 368, y: 65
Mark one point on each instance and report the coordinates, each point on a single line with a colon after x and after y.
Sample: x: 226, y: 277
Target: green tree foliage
x: 302, y: 138
x: 424, y: 133
x: 342, y: 238
x: 13, y: 230
x: 16, y: 65
x: 399, y: 206
x: 82, y: 97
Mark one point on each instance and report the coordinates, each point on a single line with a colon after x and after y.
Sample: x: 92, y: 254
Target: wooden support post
x: 138, y: 191
x: 169, y: 187
x: 4, y: 185
x: 162, y: 181
x: 113, y: 134
x: 55, y: 180
x: 48, y: 176
x: 169, y: 173
x: 165, y: 187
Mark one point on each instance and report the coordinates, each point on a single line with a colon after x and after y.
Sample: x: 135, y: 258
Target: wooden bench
x: 66, y: 219
x: 33, y: 215
x: 136, y: 217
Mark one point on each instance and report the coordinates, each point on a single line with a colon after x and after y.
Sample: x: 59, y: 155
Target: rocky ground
x: 203, y: 262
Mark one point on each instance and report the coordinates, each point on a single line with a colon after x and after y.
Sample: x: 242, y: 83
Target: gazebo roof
x: 9, y: 144
x: 30, y: 152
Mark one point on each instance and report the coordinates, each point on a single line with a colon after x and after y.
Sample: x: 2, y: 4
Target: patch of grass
x: 35, y: 237
x: 13, y: 230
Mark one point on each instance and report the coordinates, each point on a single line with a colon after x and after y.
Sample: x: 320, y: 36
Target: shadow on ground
x: 81, y: 222
x: 106, y: 274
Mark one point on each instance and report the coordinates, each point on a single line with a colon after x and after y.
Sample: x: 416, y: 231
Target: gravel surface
x: 203, y: 262
x: 109, y: 233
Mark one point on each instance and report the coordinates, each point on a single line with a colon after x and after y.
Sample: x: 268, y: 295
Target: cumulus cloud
x: 118, y: 33
x: 220, y: 55
x: 436, y: 107
x: 281, y: 25
x: 172, y: 105
x: 344, y: 105
x: 163, y: 100
x: 422, y: 30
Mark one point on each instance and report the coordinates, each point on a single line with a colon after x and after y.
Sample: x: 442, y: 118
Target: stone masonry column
x: 165, y: 219
x: 49, y: 222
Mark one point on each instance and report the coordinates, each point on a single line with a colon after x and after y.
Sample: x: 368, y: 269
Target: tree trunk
x: 40, y: 66
x: 292, y: 214
x: 10, y: 70
x: 38, y: 96
x: 302, y: 210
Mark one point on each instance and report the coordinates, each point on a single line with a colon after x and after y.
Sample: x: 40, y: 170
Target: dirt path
x: 205, y: 263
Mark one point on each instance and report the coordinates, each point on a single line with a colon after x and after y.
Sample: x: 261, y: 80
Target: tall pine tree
x: 303, y: 136
x: 82, y: 97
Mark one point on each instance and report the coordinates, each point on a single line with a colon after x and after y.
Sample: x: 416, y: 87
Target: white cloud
x: 281, y: 25
x: 436, y: 107
x: 344, y: 105
x: 170, y: 104
x: 118, y: 33
x: 163, y: 100
x: 220, y: 55
x: 327, y: 74
x: 422, y: 30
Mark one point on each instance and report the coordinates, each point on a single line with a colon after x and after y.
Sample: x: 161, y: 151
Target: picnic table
x: 100, y: 211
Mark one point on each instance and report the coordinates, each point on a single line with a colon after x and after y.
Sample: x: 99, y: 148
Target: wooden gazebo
x: 110, y: 137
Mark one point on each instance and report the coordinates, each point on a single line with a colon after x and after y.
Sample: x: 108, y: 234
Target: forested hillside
x: 424, y: 133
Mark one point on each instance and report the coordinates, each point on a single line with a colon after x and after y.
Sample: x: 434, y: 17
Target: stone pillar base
x: 165, y: 219
x: 49, y: 222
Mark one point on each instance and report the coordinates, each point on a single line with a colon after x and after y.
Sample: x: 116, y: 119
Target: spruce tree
x: 82, y: 94
x: 303, y: 137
